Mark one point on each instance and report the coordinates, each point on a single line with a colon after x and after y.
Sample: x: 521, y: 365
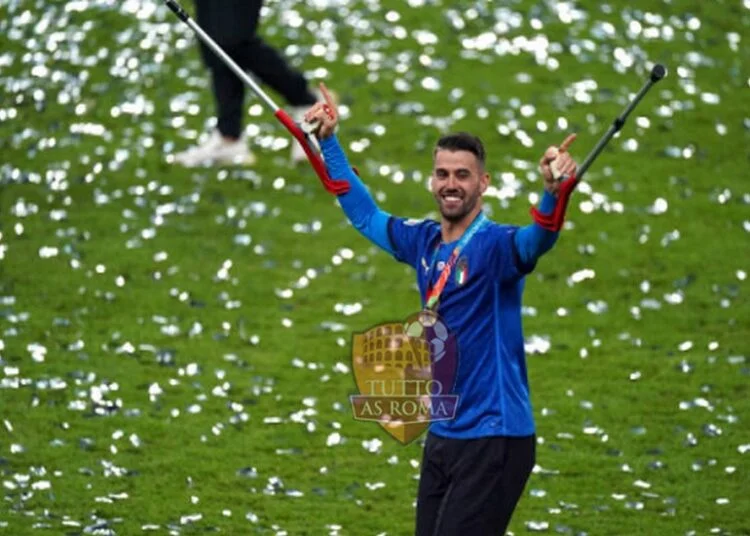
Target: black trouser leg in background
x: 272, y: 69
x: 229, y: 97
x: 471, y: 487
x: 233, y: 25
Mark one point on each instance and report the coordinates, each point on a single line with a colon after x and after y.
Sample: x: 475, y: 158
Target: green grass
x: 642, y: 435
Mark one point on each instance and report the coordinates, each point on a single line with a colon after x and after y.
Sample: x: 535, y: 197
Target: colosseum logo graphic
x: 405, y: 372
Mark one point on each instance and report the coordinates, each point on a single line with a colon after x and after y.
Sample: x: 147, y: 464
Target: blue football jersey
x: 481, y: 305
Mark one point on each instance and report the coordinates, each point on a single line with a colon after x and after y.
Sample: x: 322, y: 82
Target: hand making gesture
x: 324, y: 115
x: 556, y: 164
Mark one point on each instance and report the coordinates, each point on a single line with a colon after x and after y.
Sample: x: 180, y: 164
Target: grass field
x: 175, y: 343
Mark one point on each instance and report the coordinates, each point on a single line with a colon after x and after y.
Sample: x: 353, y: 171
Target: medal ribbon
x: 434, y: 292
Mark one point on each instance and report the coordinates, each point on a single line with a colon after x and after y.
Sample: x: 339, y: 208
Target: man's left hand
x: 556, y: 164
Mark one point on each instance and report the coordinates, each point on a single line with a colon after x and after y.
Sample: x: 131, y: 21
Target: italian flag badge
x: 462, y: 271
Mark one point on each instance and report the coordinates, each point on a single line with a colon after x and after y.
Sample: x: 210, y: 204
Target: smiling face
x: 458, y: 182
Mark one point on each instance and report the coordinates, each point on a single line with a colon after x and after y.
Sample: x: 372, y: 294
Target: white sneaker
x: 216, y: 150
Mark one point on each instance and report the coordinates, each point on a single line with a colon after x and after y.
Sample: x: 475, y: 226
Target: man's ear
x: 484, y: 182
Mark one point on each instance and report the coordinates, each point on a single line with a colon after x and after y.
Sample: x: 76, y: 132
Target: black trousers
x: 471, y: 487
x: 233, y: 24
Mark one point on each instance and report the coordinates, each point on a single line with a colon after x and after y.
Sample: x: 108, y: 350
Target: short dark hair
x: 461, y: 141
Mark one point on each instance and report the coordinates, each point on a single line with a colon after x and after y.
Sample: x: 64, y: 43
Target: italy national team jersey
x: 481, y: 305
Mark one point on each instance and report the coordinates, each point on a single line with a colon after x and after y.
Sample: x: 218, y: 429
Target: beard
x: 455, y: 212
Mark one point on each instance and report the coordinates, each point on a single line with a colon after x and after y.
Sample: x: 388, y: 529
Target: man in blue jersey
x: 475, y: 466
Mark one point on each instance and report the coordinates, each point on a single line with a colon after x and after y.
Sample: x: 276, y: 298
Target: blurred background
x: 175, y: 342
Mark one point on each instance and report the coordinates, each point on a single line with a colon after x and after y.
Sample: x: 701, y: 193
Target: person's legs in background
x: 233, y: 26
x: 272, y: 68
x: 227, y: 23
x: 266, y: 63
x: 229, y: 94
x: 227, y: 144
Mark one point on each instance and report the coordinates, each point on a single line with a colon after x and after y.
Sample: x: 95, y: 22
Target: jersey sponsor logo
x: 462, y: 271
x: 412, y: 221
x: 425, y: 265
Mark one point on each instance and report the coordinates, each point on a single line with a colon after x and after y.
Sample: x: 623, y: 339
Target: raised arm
x: 533, y: 241
x: 357, y: 203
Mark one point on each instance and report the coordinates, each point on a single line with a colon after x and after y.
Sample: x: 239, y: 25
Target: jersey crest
x: 462, y: 271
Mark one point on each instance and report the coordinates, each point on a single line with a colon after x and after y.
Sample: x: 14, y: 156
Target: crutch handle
x: 336, y: 187
x: 309, y: 128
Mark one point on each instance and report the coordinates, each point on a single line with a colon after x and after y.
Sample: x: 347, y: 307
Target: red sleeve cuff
x: 554, y: 221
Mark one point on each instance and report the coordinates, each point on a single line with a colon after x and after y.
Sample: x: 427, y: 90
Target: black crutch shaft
x: 657, y: 73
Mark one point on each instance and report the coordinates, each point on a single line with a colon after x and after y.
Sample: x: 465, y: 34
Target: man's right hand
x: 323, y: 114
